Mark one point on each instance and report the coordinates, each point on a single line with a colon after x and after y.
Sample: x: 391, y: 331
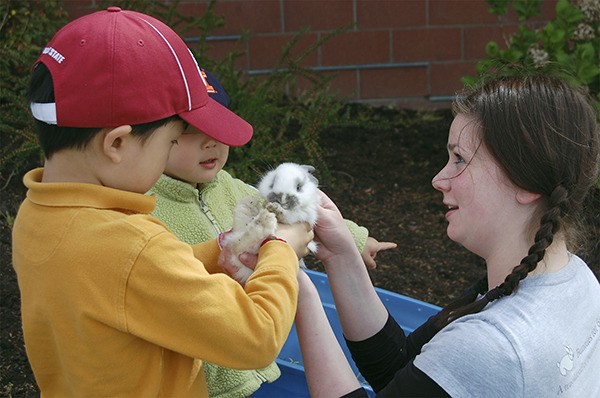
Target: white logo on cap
x: 58, y: 57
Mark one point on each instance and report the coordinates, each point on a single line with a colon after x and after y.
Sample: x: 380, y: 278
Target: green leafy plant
x: 25, y: 27
x: 568, y: 45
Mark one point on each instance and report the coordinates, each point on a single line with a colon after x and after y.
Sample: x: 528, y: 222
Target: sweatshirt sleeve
x: 208, y: 253
x: 171, y: 300
x: 360, y: 234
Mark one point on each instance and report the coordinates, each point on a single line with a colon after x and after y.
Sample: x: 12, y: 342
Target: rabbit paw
x: 276, y: 209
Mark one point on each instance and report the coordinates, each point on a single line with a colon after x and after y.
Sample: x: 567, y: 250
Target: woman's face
x: 480, y: 198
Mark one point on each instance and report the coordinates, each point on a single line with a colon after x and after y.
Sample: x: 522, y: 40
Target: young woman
x: 523, y: 152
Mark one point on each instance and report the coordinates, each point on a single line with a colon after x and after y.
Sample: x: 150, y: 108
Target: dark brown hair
x: 543, y: 132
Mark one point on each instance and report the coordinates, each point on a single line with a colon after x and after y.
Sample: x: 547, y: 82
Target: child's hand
x: 372, y: 247
x: 297, y: 235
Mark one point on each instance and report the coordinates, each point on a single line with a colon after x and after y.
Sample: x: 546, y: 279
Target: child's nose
x: 209, y: 143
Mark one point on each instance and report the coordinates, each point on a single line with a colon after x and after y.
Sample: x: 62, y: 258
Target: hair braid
x: 455, y: 308
x: 549, y: 225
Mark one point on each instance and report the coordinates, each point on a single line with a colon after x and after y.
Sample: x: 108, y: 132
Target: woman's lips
x: 451, y: 209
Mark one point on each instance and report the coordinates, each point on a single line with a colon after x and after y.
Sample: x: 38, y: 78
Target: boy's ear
x: 526, y: 197
x: 114, y: 141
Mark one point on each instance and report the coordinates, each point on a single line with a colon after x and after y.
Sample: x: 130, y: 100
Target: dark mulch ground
x: 383, y: 181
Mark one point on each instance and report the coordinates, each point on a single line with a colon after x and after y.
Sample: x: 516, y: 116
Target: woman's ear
x: 525, y: 197
x: 114, y: 141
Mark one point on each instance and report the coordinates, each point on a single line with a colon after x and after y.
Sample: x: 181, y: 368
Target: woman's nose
x: 440, y: 182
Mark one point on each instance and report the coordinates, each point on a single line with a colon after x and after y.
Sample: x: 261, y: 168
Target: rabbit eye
x: 298, y: 187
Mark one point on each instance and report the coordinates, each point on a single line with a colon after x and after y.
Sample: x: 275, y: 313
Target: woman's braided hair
x: 543, y: 132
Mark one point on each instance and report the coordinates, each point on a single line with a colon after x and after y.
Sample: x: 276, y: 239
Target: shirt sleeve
x: 208, y: 252
x: 359, y: 234
x: 386, y: 361
x: 171, y: 300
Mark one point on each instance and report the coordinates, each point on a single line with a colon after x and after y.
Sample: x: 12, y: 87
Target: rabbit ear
x: 308, y: 168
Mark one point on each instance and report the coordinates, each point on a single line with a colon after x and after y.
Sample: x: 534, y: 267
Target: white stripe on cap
x: 44, y: 112
x: 187, y: 89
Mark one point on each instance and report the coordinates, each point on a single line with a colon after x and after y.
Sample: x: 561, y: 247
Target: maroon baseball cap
x: 118, y: 67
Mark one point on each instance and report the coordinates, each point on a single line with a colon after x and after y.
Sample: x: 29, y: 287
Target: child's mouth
x: 209, y: 164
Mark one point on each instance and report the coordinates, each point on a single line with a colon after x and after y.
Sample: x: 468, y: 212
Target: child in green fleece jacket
x: 195, y: 198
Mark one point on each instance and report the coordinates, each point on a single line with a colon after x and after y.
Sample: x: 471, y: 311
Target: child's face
x: 145, y: 161
x: 197, y: 158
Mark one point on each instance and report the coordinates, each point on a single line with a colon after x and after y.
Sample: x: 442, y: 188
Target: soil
x: 382, y: 172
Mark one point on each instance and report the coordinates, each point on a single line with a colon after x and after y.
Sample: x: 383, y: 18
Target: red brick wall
x: 409, y: 53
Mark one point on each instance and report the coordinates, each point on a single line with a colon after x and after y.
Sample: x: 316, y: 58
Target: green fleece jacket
x: 197, y: 215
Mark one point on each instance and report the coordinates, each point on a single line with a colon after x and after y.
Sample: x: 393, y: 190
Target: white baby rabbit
x: 292, y: 192
x: 290, y: 195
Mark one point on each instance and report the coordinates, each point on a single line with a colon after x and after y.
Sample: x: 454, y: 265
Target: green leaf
x: 492, y: 49
x: 527, y: 9
x: 499, y: 7
x: 567, y: 13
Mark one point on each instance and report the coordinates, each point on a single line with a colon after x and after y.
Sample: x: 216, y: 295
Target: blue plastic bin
x: 408, y: 312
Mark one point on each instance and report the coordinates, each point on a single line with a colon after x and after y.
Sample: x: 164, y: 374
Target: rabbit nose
x: 290, y: 201
x: 275, y: 197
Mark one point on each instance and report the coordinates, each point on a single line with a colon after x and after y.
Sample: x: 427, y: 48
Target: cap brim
x: 218, y: 122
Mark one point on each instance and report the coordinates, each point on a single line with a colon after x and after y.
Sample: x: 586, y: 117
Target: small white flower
x: 540, y: 56
x: 584, y: 32
x: 591, y: 9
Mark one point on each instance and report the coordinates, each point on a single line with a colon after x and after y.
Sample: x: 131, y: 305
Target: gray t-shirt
x: 542, y: 341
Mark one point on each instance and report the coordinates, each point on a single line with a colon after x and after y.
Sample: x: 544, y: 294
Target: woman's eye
x: 175, y: 142
x: 458, y: 159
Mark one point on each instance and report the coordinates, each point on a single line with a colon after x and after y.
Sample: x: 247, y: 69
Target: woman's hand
x: 331, y: 232
x: 361, y: 312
